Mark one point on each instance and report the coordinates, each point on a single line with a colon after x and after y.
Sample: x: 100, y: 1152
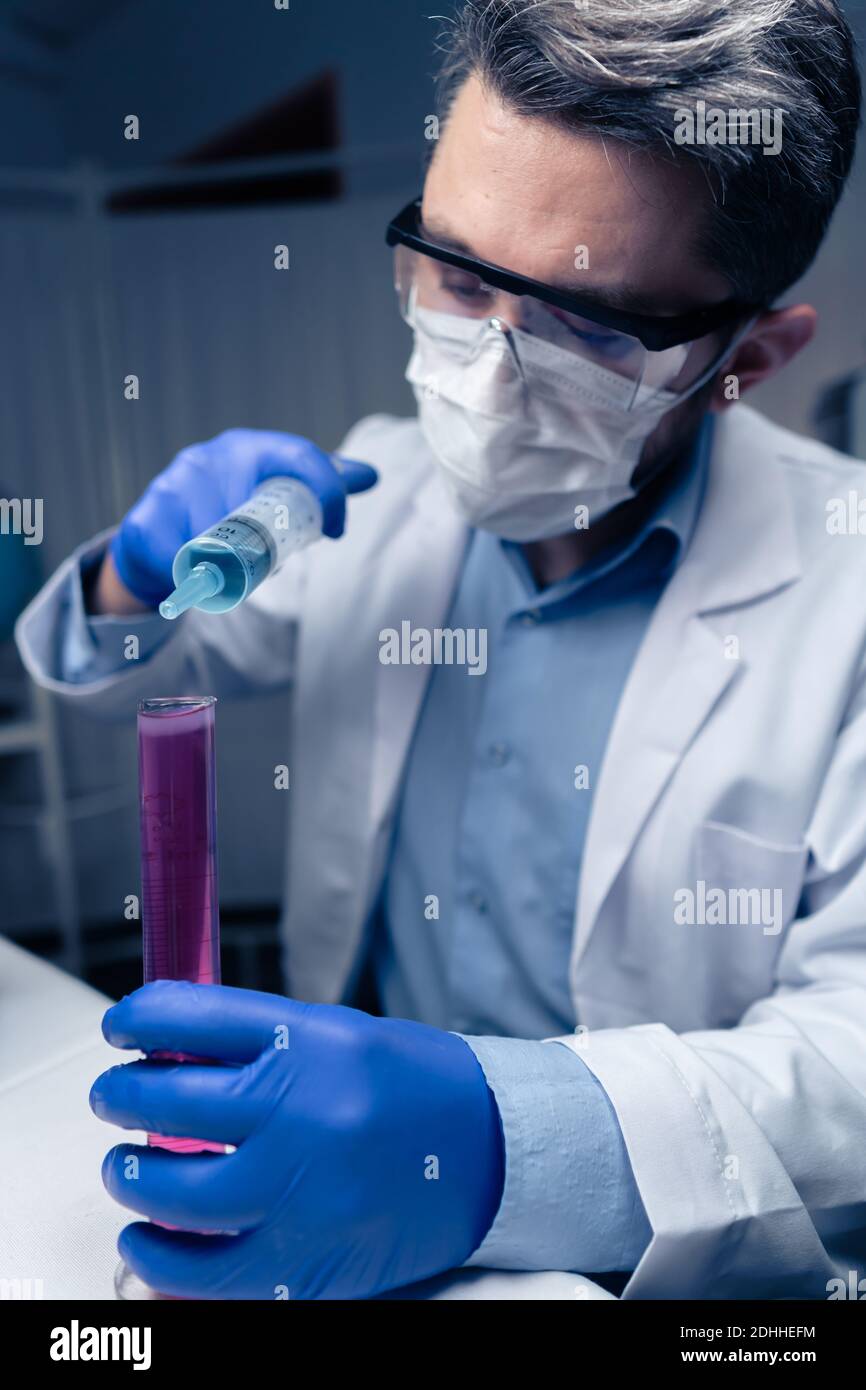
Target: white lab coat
x: 735, y: 1057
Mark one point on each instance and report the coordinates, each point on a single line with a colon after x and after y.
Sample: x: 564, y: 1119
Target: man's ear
x: 770, y: 344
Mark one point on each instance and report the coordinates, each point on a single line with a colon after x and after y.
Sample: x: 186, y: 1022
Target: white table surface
x: 57, y: 1223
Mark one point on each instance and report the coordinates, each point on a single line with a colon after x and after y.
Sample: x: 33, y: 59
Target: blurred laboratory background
x: 257, y: 126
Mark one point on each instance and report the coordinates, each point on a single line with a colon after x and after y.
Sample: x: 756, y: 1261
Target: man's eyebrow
x: 629, y: 298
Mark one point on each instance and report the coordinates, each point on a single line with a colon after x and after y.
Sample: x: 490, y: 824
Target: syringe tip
x: 202, y: 582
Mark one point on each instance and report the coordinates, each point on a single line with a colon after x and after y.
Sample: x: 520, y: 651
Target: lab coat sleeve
x: 748, y: 1143
x: 570, y: 1201
x: 93, y: 661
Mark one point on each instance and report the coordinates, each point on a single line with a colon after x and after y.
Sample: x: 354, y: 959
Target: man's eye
x: 468, y: 291
x: 602, y: 342
x: 606, y: 344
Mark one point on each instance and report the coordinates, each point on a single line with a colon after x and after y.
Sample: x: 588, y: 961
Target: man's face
x: 521, y: 193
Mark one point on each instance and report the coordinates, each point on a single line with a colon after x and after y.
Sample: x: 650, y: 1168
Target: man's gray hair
x: 624, y: 69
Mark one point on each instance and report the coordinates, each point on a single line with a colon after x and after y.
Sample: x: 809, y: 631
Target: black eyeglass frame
x: 655, y: 333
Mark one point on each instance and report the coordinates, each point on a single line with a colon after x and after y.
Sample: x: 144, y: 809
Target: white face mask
x: 521, y: 455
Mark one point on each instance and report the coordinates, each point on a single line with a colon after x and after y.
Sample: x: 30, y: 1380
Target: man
x: 664, y: 630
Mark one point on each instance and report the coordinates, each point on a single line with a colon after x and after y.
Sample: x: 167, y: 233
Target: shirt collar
x: 677, y: 512
x: 679, y: 507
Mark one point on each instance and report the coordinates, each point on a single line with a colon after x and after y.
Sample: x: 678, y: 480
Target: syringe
x: 221, y: 567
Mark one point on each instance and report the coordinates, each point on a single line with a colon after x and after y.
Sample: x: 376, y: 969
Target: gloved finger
x: 218, y: 1021
x: 194, y: 1266
x: 178, y: 1098
x: 356, y: 477
x: 194, y: 493
x: 196, y: 1192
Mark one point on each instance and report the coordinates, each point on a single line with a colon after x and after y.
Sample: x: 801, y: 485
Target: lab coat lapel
x: 417, y: 587
x: 358, y: 717
x: 744, y: 547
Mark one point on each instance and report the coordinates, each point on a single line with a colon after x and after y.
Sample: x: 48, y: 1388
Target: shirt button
x: 499, y: 754
x: 531, y: 618
x: 478, y: 902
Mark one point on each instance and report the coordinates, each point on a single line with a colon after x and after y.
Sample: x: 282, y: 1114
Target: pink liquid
x: 179, y: 891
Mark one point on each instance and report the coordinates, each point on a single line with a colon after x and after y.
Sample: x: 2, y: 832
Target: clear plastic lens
x: 431, y: 285
x: 618, y: 352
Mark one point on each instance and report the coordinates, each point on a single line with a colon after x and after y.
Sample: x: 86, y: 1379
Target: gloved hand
x: 369, y: 1151
x: 205, y: 482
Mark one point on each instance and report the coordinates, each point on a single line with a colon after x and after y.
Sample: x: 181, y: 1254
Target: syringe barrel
x: 253, y: 542
x: 288, y: 511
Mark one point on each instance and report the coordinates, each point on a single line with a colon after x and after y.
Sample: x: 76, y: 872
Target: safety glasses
x: 652, y: 352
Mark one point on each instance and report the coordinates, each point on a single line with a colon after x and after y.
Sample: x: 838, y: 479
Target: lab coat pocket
x: 738, y: 862
x: 746, y: 894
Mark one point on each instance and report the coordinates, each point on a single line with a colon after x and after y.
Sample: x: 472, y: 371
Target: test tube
x: 179, y: 892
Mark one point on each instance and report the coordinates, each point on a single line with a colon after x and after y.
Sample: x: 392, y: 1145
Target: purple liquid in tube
x: 180, y: 903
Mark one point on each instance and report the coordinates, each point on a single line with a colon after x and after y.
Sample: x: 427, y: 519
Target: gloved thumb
x: 356, y: 477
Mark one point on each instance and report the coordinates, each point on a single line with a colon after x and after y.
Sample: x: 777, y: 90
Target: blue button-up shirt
x: 479, y: 905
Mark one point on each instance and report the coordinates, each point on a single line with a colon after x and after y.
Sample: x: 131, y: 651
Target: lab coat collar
x: 745, y: 543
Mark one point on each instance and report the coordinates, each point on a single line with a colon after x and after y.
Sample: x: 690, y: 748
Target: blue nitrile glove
x: 205, y: 482
x: 369, y: 1150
